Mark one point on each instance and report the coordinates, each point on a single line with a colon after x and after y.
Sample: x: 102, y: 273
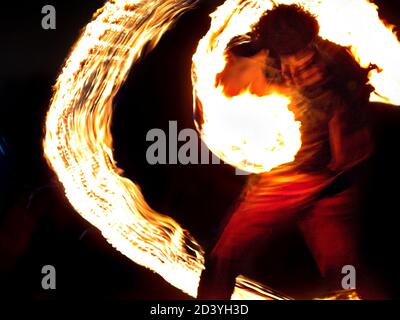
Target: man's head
x: 286, y: 29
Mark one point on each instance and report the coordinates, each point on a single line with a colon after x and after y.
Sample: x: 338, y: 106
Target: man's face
x: 301, y: 69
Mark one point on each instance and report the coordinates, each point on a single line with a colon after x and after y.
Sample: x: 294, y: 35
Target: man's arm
x: 350, y: 134
x: 244, y: 73
x: 331, y: 76
x: 351, y: 143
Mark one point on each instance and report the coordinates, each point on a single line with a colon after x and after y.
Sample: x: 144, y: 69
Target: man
x: 315, y: 193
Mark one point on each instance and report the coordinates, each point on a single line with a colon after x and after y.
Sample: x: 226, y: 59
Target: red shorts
x: 327, y: 220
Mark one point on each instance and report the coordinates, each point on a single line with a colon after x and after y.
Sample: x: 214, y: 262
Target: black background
x: 37, y: 224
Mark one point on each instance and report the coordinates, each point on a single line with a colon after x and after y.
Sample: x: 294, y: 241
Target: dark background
x: 39, y: 227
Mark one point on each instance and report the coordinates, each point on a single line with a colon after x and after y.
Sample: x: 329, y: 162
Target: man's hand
x: 244, y: 73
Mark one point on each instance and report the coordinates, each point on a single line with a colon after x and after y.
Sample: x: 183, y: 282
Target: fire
x: 235, y: 124
x: 78, y: 141
x: 256, y: 133
x: 250, y: 132
x: 356, y: 24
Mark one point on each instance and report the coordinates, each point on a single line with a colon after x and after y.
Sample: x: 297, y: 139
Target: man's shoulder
x: 345, y: 73
x: 340, y: 60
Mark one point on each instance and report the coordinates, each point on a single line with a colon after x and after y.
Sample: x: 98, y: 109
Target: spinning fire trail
x: 78, y: 141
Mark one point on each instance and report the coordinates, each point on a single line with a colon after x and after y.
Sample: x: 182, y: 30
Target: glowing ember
x: 78, y: 142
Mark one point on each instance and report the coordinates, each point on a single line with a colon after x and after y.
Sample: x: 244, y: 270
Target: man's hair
x: 286, y: 29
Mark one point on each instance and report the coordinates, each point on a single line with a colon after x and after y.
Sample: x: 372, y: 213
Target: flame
x: 356, y: 24
x: 78, y: 141
x: 256, y: 133
x: 250, y: 132
x: 349, y: 294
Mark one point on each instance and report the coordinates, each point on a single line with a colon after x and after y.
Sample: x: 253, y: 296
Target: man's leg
x: 262, y: 215
x: 331, y: 231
